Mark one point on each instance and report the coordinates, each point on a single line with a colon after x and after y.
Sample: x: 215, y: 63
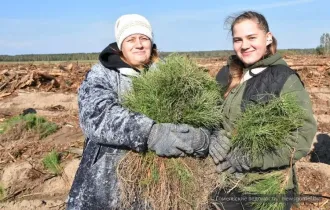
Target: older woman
x: 111, y: 130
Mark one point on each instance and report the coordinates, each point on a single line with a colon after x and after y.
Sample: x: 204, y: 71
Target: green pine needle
x: 265, y: 127
x: 32, y: 122
x: 268, y: 188
x: 262, y: 129
x: 52, y: 162
x: 177, y: 91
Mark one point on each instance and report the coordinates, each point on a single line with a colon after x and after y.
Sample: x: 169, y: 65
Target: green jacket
x: 301, y: 140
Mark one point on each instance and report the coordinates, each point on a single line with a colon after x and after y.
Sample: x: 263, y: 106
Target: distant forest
x: 94, y: 56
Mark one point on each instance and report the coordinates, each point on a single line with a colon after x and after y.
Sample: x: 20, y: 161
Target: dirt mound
x: 314, y: 179
x: 43, y: 77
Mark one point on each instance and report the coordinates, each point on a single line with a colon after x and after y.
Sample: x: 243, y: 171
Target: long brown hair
x: 236, y: 66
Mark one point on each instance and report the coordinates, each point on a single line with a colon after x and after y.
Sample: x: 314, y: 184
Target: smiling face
x: 250, y: 41
x: 136, y: 50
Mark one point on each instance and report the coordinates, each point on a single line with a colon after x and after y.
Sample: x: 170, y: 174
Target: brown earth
x: 51, y: 90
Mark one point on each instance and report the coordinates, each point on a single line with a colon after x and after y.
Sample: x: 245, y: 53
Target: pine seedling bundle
x: 179, y: 92
x: 262, y: 129
x: 268, y: 189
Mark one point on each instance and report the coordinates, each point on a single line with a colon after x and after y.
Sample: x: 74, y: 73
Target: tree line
x: 94, y: 56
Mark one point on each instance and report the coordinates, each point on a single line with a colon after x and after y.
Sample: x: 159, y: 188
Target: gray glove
x: 225, y: 166
x: 219, y: 146
x: 168, y: 139
x: 235, y: 162
x: 197, y: 138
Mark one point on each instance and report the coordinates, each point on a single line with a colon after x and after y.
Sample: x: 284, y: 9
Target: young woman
x: 255, y: 71
x: 111, y: 130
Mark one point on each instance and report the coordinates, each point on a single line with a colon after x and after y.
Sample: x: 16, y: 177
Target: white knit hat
x: 130, y: 24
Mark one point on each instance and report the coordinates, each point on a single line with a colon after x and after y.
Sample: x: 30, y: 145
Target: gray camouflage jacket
x: 110, y: 131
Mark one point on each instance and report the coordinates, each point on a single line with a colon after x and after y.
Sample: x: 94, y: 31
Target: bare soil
x: 51, y: 90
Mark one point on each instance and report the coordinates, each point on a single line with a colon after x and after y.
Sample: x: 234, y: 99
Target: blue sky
x: 39, y: 26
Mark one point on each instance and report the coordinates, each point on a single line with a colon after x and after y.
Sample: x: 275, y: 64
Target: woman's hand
x: 235, y: 161
x: 219, y: 146
x: 223, y: 157
x: 168, y: 139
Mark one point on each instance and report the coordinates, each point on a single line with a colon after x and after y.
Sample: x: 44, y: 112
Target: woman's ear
x: 269, y: 38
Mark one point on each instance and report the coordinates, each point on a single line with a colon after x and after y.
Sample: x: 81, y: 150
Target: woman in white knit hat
x: 111, y: 130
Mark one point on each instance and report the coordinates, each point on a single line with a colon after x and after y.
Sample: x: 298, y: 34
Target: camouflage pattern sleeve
x: 103, y: 119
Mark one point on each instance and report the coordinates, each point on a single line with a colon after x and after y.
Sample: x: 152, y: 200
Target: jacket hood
x: 110, y: 57
x: 270, y: 60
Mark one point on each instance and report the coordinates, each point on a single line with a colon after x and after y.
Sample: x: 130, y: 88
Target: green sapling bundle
x: 175, y: 91
x: 263, y: 129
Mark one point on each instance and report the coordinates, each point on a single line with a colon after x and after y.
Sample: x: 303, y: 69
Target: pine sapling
x: 264, y: 127
x: 52, y: 162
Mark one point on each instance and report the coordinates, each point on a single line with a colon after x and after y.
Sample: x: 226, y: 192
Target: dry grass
x: 166, y: 183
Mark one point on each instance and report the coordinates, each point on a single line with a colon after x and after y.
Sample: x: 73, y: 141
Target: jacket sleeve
x: 104, y: 120
x: 300, y: 140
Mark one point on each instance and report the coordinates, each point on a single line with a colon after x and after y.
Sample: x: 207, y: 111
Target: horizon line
x: 159, y: 51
